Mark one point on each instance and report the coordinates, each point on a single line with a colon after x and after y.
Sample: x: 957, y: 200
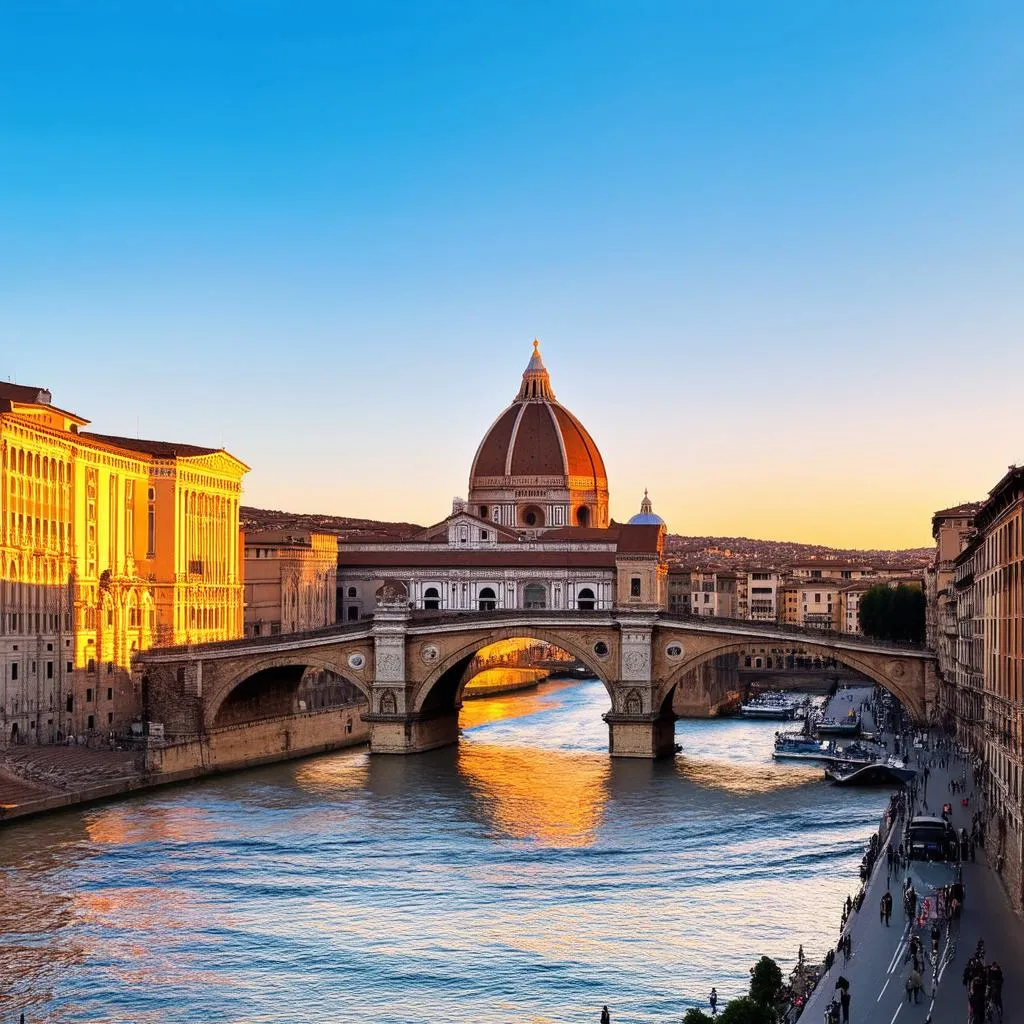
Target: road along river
x: 522, y: 876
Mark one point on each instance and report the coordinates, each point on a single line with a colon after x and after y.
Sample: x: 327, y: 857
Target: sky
x: 773, y: 251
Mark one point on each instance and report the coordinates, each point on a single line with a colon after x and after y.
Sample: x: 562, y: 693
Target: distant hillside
x: 739, y: 552
x: 255, y: 520
x: 693, y: 552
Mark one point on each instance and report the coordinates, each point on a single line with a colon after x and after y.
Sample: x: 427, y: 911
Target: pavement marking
x: 896, y: 1014
x: 884, y: 987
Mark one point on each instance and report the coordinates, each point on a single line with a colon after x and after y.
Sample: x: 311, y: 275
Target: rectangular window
x: 634, y: 587
x: 49, y: 670
x: 14, y: 671
x: 110, y: 693
x: 88, y: 696
x: 151, y: 532
x: 70, y: 705
x: 70, y: 667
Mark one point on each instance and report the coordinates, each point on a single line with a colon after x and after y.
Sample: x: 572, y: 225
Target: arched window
x: 533, y: 516
x: 585, y: 600
x: 352, y: 592
x: 488, y: 600
x: 431, y: 599
x: 583, y: 516
x: 535, y: 596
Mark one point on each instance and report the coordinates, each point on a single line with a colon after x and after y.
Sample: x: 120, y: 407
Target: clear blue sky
x: 773, y: 251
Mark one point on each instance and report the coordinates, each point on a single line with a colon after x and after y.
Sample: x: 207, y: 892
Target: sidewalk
x: 877, y: 968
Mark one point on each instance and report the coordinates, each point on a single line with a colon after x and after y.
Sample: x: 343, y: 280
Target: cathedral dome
x: 537, y: 466
x: 646, y: 516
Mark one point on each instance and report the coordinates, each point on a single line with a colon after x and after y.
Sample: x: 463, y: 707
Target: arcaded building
x: 108, y: 545
x: 533, y: 534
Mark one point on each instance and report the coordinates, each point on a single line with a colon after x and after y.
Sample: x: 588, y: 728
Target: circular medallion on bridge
x: 601, y: 649
x: 896, y: 669
x: 356, y: 661
x: 674, y: 651
x: 429, y: 653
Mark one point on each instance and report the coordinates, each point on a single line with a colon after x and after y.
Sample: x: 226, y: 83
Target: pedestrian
x: 913, y: 984
x: 844, y: 1002
x: 847, y: 947
x: 606, y: 1017
x: 887, y: 907
x: 713, y: 1000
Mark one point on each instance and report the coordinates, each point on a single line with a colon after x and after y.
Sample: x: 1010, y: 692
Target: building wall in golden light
x: 92, y: 572
x: 290, y: 581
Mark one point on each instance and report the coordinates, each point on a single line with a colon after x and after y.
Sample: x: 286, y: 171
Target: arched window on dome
x: 431, y: 599
x: 535, y: 595
x: 583, y: 516
x: 533, y: 516
x: 585, y: 600
x: 487, y: 600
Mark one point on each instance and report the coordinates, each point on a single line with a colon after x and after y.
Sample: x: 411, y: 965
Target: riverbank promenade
x: 880, y: 960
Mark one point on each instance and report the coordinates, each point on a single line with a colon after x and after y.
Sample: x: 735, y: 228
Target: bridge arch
x: 296, y: 663
x: 904, y: 684
x: 442, y: 688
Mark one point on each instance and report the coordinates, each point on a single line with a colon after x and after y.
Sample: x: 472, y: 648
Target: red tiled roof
x: 536, y: 450
x: 490, y: 459
x: 580, y: 450
x: 24, y: 393
x: 447, y: 557
x: 161, y: 449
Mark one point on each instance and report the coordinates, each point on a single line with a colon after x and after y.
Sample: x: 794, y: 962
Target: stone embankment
x: 34, y: 780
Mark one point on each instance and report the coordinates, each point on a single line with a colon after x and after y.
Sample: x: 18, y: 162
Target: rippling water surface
x: 523, y: 876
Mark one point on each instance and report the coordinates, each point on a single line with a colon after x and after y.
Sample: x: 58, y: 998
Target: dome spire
x: 536, y: 380
x: 645, y: 506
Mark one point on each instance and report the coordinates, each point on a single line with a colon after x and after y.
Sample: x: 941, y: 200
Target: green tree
x: 766, y: 987
x: 888, y: 613
x: 746, y: 1011
x: 696, y: 1016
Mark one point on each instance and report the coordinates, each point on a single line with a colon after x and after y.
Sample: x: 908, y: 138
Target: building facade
x: 982, y: 665
x: 291, y: 581
x: 106, y: 547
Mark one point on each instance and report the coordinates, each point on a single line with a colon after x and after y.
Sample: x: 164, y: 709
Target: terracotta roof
x: 587, y: 534
x: 161, y: 449
x: 639, y: 539
x: 968, y: 508
x: 536, y: 449
x: 581, y: 452
x: 24, y: 393
x: 493, y: 452
x: 447, y: 557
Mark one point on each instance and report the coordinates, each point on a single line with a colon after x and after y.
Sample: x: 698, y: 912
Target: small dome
x: 646, y: 516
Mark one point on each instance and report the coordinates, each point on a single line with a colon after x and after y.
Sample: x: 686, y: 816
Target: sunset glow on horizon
x: 772, y: 256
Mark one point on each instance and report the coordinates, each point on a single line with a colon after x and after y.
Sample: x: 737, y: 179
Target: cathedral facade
x: 534, y: 532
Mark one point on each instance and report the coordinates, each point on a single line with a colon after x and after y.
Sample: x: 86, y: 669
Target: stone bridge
x: 411, y: 668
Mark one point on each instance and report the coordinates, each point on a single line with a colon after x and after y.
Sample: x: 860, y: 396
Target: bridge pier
x: 412, y: 734
x: 641, y: 735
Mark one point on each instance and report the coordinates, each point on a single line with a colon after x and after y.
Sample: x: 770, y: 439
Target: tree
x: 766, y: 987
x: 695, y: 1016
x: 893, y: 614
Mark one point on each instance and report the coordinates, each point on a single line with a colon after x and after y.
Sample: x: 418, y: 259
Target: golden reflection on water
x: 513, y: 705
x: 744, y: 779
x: 329, y: 774
x: 123, y: 824
x: 555, y: 799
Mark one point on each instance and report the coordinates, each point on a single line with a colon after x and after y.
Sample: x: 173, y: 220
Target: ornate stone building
x: 290, y: 581
x: 534, y: 533
x: 107, y: 546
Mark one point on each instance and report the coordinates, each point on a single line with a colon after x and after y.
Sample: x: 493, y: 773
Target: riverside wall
x: 233, y: 748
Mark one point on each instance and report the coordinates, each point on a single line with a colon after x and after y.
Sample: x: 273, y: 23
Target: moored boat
x: 800, y: 747
x: 778, y: 706
x: 875, y: 773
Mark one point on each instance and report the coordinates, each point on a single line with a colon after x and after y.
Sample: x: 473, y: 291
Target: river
x: 522, y: 876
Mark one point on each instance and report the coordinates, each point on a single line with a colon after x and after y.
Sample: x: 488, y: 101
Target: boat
x: 875, y: 773
x: 796, y: 746
x: 834, y: 727
x: 778, y: 706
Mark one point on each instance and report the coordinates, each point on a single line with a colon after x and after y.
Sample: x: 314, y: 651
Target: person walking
x: 913, y: 984
x: 886, y: 907
x: 844, y: 1002
x: 606, y: 1017
x: 713, y: 1000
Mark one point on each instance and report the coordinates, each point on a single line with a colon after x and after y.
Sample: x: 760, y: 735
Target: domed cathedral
x: 537, y: 468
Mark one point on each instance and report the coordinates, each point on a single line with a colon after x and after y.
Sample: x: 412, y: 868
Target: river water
x: 522, y: 876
